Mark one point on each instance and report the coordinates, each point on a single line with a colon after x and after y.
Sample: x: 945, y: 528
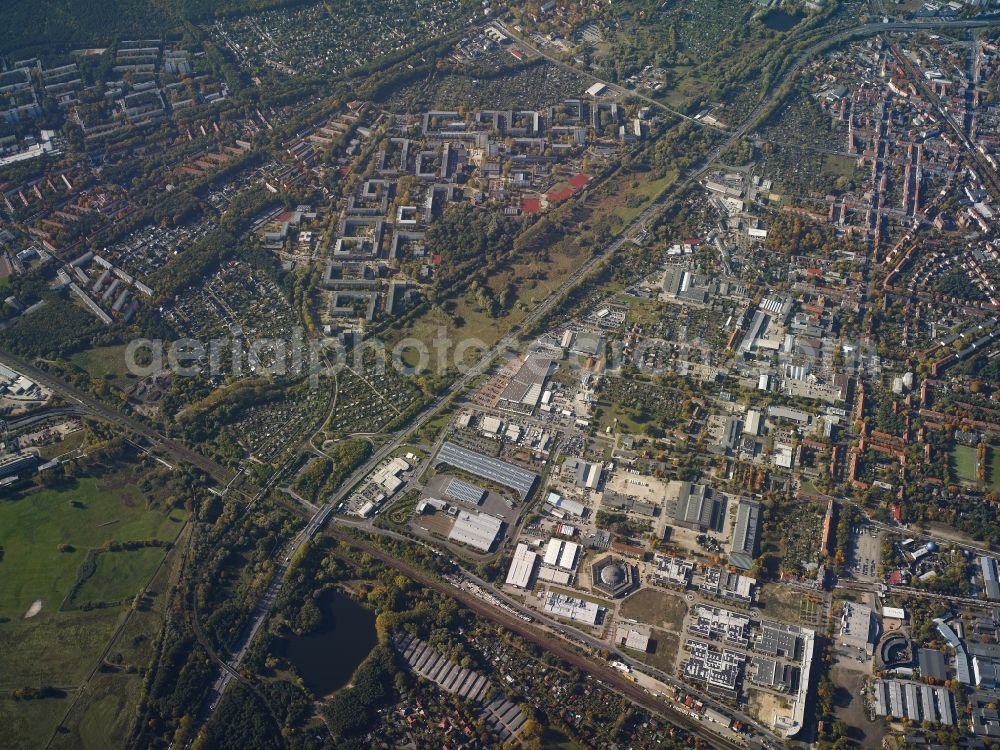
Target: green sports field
x: 965, y: 459
x: 993, y: 467
x: 963, y: 463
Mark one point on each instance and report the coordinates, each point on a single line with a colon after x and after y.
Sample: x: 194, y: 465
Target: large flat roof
x: 456, y: 489
x: 522, y: 566
x: 478, y: 530
x: 489, y: 468
x: 744, y: 544
x: 932, y: 663
x: 990, y: 583
x: 570, y: 506
x: 856, y: 625
x: 526, y: 385
x: 571, y: 608
x: 696, y: 506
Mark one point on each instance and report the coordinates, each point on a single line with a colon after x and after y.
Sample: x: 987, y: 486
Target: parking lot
x: 865, y: 553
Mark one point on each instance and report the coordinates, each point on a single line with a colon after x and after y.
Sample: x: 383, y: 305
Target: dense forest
x: 59, y: 328
x: 470, y: 244
x: 324, y: 475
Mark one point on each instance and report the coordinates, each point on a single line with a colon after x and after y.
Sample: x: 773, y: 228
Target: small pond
x: 779, y: 20
x: 327, y: 657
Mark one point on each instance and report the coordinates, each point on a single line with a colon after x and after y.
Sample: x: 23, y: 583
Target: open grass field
x: 134, y: 644
x: 785, y: 603
x: 429, y: 432
x: 944, y: 531
x: 53, y: 648
x: 673, y: 96
x: 29, y: 723
x: 104, y: 717
x: 993, y: 468
x: 642, y: 310
x: 839, y: 165
x: 647, y: 190
x: 475, y: 324
x: 61, y: 648
x: 120, y: 575
x: 86, y: 514
x: 620, y: 419
x: 104, y: 363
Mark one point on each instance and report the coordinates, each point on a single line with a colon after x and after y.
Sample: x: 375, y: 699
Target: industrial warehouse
x: 478, y: 530
x: 491, y: 469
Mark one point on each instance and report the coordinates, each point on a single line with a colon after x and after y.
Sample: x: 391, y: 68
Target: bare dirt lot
x: 439, y: 523
x: 661, y: 609
x: 849, y: 707
x: 765, y: 705
x: 793, y: 604
x: 663, y: 650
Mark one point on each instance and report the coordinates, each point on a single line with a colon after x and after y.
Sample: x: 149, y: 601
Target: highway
x: 856, y: 32
x: 230, y: 667
x: 262, y: 610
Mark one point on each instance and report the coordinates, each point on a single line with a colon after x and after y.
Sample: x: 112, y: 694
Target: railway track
x: 82, y: 401
x: 553, y: 645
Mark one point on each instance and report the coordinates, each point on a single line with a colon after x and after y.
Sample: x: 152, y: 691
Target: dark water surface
x: 327, y: 657
x: 779, y: 20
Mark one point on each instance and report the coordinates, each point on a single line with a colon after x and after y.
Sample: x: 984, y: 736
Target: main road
x: 432, y: 409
